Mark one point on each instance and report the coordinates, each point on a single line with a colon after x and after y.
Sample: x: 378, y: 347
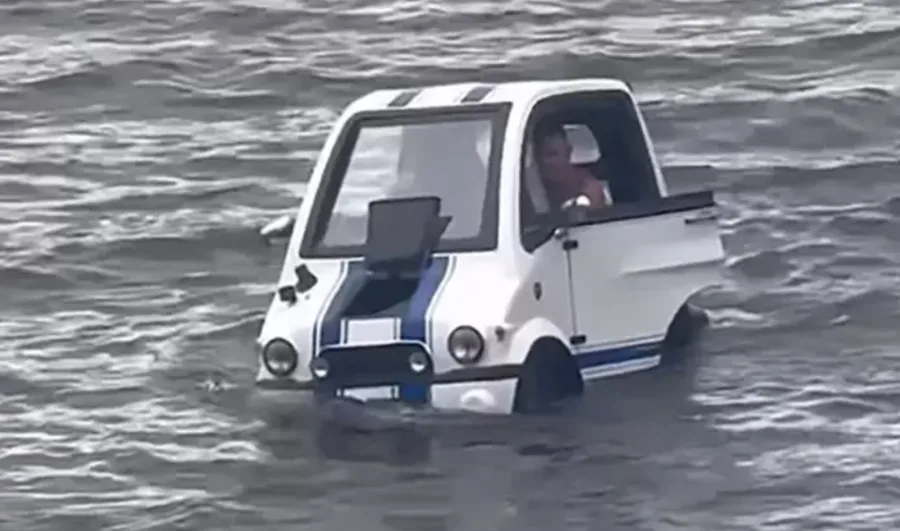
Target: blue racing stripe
x: 415, y: 324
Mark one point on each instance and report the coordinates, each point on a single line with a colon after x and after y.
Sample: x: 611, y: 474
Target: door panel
x: 631, y: 274
x: 546, y: 290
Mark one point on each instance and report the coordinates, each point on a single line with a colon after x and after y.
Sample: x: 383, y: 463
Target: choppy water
x: 143, y: 143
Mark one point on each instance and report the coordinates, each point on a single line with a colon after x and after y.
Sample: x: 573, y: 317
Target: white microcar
x: 433, y: 262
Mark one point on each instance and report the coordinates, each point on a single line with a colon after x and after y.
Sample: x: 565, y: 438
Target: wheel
x: 685, y: 326
x: 532, y: 395
x: 548, y: 376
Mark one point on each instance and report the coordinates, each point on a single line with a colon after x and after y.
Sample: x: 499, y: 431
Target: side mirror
x: 278, y: 229
x: 575, y: 209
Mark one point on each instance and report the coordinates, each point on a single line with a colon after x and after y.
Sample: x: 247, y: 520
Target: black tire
x: 531, y: 392
x: 548, y: 376
x: 685, y: 326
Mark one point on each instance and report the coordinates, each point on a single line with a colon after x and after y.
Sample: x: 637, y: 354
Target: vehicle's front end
x: 402, y: 215
x: 435, y: 349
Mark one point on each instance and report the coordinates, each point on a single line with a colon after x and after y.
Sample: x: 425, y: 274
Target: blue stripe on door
x: 608, y: 356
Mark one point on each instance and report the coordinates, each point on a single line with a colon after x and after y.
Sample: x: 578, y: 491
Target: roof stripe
x: 477, y: 93
x: 440, y: 95
x: 403, y: 99
x: 377, y: 99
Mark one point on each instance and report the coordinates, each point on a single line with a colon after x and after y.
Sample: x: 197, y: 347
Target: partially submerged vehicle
x: 427, y: 264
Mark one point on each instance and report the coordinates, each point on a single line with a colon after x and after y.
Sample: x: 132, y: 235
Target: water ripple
x: 142, y: 144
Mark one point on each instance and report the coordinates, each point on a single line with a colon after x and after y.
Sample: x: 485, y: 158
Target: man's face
x: 554, y: 156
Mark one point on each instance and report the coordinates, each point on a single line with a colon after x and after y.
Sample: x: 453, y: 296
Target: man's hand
x: 596, y: 192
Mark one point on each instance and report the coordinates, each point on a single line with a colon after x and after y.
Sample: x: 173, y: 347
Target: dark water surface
x: 143, y: 143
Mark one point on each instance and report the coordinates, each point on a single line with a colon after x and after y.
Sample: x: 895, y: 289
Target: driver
x: 563, y: 179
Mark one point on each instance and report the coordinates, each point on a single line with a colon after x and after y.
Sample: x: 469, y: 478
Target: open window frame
x: 626, y: 164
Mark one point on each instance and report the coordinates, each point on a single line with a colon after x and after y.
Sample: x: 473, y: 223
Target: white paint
x: 360, y: 331
x: 478, y: 400
x: 371, y: 393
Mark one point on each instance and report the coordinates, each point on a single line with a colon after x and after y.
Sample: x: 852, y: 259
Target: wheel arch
x: 686, y: 322
x: 549, y: 369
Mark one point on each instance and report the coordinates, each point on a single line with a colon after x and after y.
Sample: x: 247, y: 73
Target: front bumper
x: 489, y: 389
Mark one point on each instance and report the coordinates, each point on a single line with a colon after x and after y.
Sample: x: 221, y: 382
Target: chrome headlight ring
x: 465, y: 344
x: 280, y: 358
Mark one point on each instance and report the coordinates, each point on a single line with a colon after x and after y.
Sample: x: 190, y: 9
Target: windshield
x: 451, y: 156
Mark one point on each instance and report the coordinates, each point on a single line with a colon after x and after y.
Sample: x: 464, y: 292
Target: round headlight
x: 319, y: 368
x: 465, y: 344
x: 280, y: 357
x: 418, y: 362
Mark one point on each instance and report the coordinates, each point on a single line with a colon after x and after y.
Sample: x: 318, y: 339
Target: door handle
x: 704, y: 217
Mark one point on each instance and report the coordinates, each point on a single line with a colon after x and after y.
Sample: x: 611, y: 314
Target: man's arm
x: 595, y: 191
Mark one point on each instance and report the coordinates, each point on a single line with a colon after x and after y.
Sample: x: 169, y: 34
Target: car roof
x: 432, y: 96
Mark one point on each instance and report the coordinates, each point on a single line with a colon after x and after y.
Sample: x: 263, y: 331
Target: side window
x: 604, y: 132
x: 534, y: 197
x: 607, y: 141
x: 534, y: 201
x: 587, y: 154
x: 627, y: 158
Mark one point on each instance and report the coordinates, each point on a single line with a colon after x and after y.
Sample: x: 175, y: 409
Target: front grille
x: 372, y: 366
